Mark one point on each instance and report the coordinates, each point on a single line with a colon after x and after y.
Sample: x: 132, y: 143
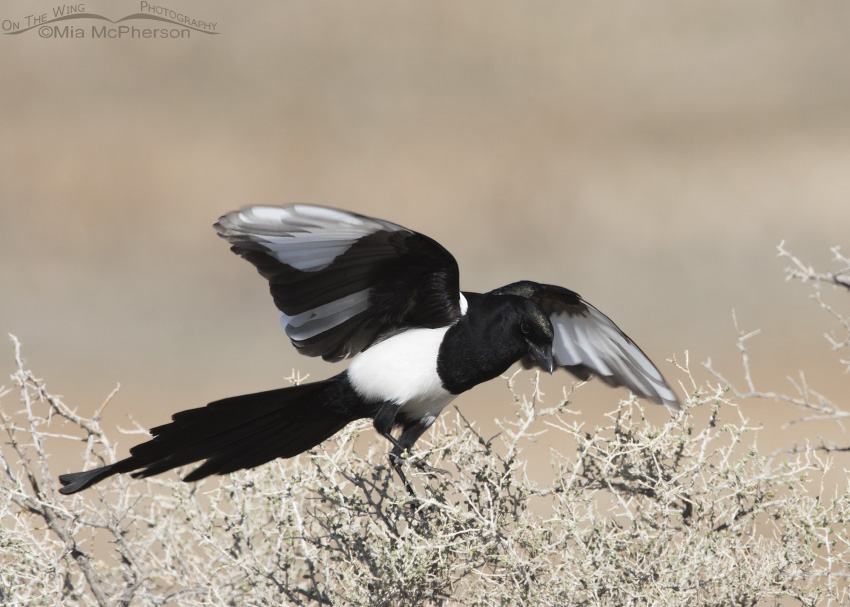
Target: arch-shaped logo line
x: 101, y: 17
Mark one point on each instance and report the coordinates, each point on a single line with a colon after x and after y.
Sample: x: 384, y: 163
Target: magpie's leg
x: 411, y: 433
x: 384, y: 421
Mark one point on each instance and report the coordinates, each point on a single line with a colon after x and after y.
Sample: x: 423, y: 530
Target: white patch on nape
x: 403, y: 370
x: 322, y: 318
x: 464, y: 305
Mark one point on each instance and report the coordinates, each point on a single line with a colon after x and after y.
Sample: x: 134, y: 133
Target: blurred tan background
x: 648, y: 156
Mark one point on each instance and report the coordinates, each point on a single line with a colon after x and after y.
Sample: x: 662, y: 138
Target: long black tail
x: 236, y: 433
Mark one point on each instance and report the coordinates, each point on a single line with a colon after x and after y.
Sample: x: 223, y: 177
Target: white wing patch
x: 305, y: 237
x: 596, y: 342
x: 321, y: 318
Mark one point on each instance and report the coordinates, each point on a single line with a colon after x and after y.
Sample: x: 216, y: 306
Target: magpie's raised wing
x: 343, y: 281
x: 588, y: 342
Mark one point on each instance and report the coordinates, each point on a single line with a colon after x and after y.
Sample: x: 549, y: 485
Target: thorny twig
x: 840, y: 278
x: 818, y: 406
x: 687, y: 512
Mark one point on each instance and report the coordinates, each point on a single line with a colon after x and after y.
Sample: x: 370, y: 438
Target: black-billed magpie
x: 347, y: 284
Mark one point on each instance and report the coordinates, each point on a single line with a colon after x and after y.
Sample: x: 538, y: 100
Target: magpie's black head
x: 536, y: 330
x: 496, y: 332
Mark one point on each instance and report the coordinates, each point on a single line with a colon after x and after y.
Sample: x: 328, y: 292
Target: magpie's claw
x: 422, y: 466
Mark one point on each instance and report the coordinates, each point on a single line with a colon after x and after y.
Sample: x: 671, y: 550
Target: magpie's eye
x: 523, y: 326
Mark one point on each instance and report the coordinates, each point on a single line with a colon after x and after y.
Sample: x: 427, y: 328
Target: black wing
x: 344, y: 281
x: 588, y: 342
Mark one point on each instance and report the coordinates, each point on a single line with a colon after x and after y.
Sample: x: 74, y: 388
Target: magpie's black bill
x: 543, y: 354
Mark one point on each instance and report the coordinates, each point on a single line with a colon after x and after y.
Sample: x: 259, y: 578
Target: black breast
x: 481, y: 345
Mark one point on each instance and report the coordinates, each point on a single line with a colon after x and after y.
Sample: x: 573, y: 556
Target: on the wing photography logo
x: 73, y: 21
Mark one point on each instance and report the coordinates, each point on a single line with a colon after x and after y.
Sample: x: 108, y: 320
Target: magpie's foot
x: 422, y: 466
x: 396, y: 464
x: 419, y: 463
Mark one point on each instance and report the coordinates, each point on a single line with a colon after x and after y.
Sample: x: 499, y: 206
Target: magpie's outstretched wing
x: 588, y: 342
x: 343, y: 281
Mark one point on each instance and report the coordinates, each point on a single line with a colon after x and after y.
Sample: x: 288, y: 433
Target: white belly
x: 426, y: 410
x: 403, y: 370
